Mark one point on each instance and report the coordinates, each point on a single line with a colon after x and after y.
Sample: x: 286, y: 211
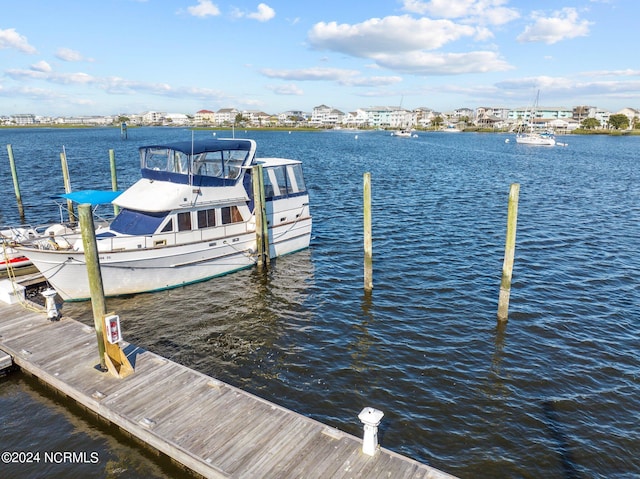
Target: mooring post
x: 67, y: 184
x: 114, y: 178
x: 16, y: 184
x: 368, y: 244
x: 509, y: 253
x: 259, y: 206
x: 96, y: 288
x: 371, y: 418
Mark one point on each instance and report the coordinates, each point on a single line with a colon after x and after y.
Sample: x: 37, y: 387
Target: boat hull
x: 154, y: 269
x: 535, y: 140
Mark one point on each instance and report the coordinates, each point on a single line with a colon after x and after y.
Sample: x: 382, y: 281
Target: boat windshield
x: 220, y: 164
x: 224, y: 163
x: 131, y: 222
x: 165, y: 159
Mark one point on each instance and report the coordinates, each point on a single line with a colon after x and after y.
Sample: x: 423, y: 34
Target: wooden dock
x: 212, y: 428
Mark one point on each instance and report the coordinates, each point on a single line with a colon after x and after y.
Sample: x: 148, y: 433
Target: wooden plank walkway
x: 212, y: 428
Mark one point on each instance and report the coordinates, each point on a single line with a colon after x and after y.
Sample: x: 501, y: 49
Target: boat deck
x: 212, y: 428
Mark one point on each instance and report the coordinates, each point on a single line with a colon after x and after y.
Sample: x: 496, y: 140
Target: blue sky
x: 86, y: 57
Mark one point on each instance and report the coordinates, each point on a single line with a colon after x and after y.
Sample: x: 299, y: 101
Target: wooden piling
x: 262, y: 228
x: 509, y: 253
x: 67, y: 184
x: 16, y: 184
x: 96, y: 287
x: 114, y: 178
x: 368, y: 244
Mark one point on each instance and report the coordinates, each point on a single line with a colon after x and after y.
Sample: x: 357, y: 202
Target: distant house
x: 204, y: 117
x: 24, y: 119
x: 175, y: 119
x: 325, y: 116
x: 630, y: 113
x: 152, y: 117
x: 226, y: 116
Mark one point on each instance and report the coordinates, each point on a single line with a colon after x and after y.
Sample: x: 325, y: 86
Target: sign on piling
x: 509, y: 253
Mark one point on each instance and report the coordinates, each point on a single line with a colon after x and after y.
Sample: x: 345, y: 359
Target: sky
x: 109, y: 57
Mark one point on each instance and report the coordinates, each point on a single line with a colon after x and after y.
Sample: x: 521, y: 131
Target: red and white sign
x: 112, y: 323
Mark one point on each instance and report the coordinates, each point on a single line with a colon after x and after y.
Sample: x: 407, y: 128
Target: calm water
x: 553, y: 393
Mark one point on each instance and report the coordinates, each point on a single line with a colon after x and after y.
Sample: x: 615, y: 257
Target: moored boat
x: 189, y: 218
x: 536, y: 139
x: 527, y: 134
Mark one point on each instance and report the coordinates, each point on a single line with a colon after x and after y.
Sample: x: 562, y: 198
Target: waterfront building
x: 204, y: 117
x: 226, y: 116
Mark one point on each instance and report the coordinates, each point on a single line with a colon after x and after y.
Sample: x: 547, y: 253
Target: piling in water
x: 67, y: 183
x: 114, y: 178
x: 16, y: 184
x: 259, y: 206
x: 368, y: 245
x: 509, y: 253
x: 96, y: 287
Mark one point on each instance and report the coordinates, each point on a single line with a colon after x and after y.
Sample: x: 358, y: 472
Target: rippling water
x: 555, y: 392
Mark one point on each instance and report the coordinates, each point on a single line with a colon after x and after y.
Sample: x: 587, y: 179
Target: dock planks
x: 212, y: 428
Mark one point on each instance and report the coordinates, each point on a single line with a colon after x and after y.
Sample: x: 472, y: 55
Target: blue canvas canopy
x: 202, y: 146
x: 93, y: 197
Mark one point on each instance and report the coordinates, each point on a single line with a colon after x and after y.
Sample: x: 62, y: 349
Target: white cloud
x: 68, y: 55
x: 9, y: 38
x: 309, y: 74
x: 41, y: 66
x: 482, y: 11
x: 403, y: 43
x: 264, y: 13
x: 288, y: 89
x: 427, y: 63
x: 563, y: 24
x: 340, y: 76
x: 387, y: 35
x: 205, y: 8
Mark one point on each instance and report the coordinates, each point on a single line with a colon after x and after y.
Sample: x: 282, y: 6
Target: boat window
x: 220, y: 164
x: 296, y: 171
x: 184, y: 221
x: 168, y: 227
x: 137, y: 222
x: 206, y: 218
x: 231, y: 214
x: 165, y: 159
x: 276, y: 177
x: 268, y: 184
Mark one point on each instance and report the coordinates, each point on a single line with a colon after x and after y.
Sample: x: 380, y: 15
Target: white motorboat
x: 402, y: 133
x: 189, y: 218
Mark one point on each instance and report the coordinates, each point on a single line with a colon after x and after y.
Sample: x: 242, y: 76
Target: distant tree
x: 619, y: 121
x: 437, y: 121
x: 636, y: 123
x: 590, y: 123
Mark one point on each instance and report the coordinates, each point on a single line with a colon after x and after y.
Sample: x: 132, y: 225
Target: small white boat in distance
x: 402, y: 133
x: 189, y: 218
x: 537, y: 139
x: 527, y: 135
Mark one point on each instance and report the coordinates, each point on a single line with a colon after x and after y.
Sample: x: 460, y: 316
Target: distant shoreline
x: 579, y: 131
